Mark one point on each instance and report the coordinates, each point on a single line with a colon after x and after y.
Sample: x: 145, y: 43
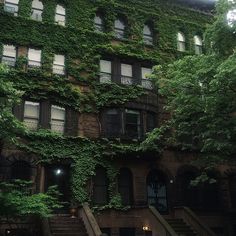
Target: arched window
x: 157, y: 191
x: 147, y: 34
x: 60, y: 16
x: 119, y: 28
x: 98, y: 23
x: 37, y: 10
x: 181, y: 44
x: 21, y: 170
x: 125, y: 186
x: 198, y: 44
x: 100, y: 187
x: 188, y: 195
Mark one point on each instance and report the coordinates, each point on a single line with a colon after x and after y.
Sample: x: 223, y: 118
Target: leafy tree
x: 200, y: 95
x: 17, y: 202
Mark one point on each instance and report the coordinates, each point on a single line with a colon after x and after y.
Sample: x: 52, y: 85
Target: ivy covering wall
x: 83, y: 48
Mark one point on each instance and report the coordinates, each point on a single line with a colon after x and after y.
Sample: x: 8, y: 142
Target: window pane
x: 132, y: 124
x: 34, y: 55
x: 60, y: 10
x: 197, y: 40
x: 31, y: 110
x: 59, y: 60
x: 180, y: 37
x: 151, y: 121
x: 60, y: 19
x: 105, y: 66
x: 119, y: 24
x: 57, y: 113
x: 98, y: 20
x: 112, y: 123
x: 12, y: 1
x: 146, y: 72
x: 37, y: 5
x: 147, y: 30
x: 126, y: 70
x: 37, y: 14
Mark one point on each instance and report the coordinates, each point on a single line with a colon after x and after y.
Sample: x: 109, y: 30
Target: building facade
x: 88, y: 102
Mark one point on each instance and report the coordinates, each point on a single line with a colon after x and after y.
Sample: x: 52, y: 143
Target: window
x: 147, y: 35
x: 198, y: 44
x: 119, y: 29
x: 11, y: 6
x: 127, y: 232
x: 34, y: 58
x: 31, y: 115
x: 157, y: 191
x: 112, y: 123
x: 59, y: 65
x: 146, y: 82
x: 98, y: 23
x: 37, y: 10
x: 9, y: 55
x: 132, y: 125
x: 150, y: 121
x: 57, y: 119
x: 125, y: 186
x: 21, y: 170
x: 126, y: 74
x: 60, y: 17
x: 105, y: 71
x: 100, y: 187
x: 180, y: 42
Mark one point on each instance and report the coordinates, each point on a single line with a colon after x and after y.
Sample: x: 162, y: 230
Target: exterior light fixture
x: 58, y: 171
x: 146, y: 228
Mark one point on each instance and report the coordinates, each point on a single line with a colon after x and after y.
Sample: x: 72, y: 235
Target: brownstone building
x: 83, y: 65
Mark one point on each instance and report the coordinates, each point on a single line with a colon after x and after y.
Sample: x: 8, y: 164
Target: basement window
x: 34, y: 58
x: 11, y: 6
x: 9, y: 55
x: 59, y: 65
x: 37, y: 10
x: 60, y: 17
x: 31, y: 114
x: 57, y: 119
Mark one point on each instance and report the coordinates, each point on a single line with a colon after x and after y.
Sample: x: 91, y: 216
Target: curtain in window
x: 105, y: 71
x: 31, y: 114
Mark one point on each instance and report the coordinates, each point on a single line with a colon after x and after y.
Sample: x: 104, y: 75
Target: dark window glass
x: 21, y: 170
x: 100, y: 187
x: 157, y: 191
x: 151, y: 121
x: 125, y: 186
x: 132, y: 124
x: 127, y: 231
x: 112, y: 123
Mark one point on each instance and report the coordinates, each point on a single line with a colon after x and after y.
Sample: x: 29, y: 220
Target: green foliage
x: 83, y: 48
x: 200, y: 94
x: 17, y: 201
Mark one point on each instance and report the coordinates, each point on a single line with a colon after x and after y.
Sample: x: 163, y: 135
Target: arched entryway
x: 157, y: 190
x: 187, y: 194
x: 125, y: 186
x: 100, y: 193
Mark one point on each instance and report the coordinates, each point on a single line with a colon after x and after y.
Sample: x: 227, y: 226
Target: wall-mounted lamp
x: 146, y: 228
x: 58, y: 171
x: 171, y: 181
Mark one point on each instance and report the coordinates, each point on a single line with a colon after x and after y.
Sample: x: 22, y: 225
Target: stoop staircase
x: 181, y: 228
x: 64, y: 225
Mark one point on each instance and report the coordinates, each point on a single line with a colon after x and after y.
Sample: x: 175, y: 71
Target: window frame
x: 34, y: 63
x: 57, y: 71
x: 198, y: 45
x: 99, y: 27
x: 181, y: 42
x: 31, y: 118
x: 34, y: 15
x: 120, y: 32
x: 61, y: 121
x: 148, y: 39
x: 60, y: 22
x: 127, y: 79
x: 12, y: 61
x: 9, y: 4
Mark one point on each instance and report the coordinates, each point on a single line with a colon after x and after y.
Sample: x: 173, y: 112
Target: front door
x: 59, y: 175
